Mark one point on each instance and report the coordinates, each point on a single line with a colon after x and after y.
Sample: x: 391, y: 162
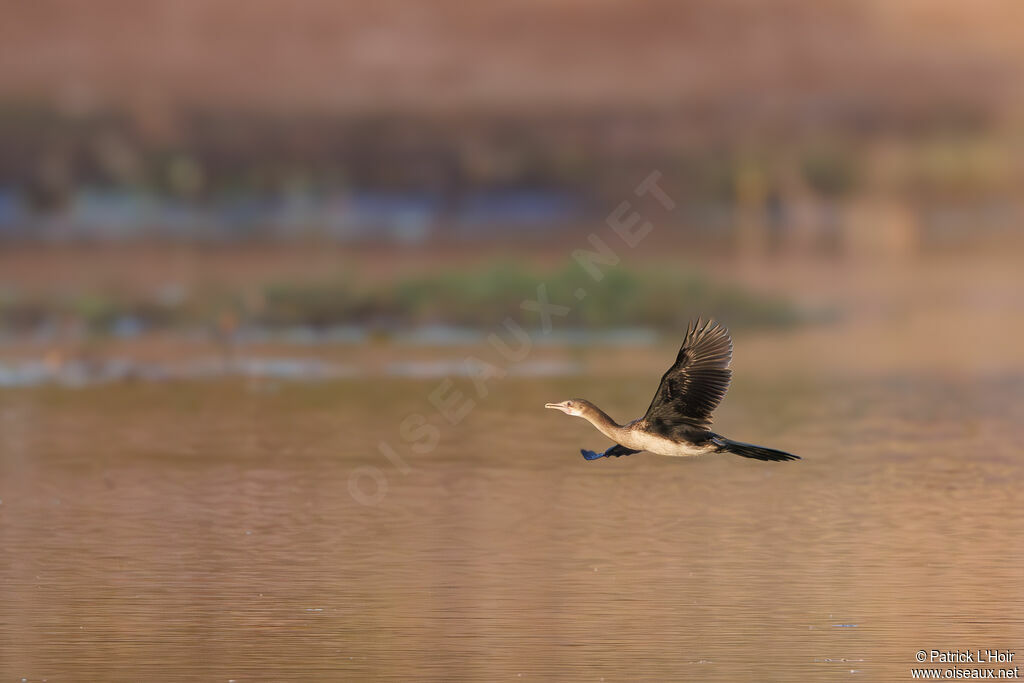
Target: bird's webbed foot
x: 616, y: 451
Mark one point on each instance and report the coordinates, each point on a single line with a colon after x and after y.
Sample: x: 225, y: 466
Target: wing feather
x: 695, y: 384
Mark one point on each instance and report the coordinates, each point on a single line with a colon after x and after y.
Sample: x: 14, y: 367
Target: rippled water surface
x: 206, y: 531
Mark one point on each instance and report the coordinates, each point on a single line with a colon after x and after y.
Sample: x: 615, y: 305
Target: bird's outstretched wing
x: 695, y: 384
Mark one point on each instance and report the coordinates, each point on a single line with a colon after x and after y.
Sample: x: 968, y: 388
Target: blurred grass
x: 481, y: 297
x: 624, y: 297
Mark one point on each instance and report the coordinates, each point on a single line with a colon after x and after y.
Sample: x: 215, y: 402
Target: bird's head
x: 576, y: 407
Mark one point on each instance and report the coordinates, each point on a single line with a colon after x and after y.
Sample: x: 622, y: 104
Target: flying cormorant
x: 677, y: 421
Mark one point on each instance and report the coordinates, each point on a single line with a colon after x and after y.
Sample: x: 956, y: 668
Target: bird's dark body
x: 677, y: 421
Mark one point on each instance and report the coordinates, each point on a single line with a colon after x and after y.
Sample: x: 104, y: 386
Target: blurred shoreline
x: 940, y: 313
x: 327, y: 190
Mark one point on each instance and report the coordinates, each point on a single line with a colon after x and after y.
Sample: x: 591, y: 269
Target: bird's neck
x: 605, y: 424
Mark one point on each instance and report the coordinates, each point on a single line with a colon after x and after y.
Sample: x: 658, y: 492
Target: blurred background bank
x: 328, y: 188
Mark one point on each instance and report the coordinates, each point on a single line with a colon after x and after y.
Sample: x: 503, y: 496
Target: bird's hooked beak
x: 563, y: 406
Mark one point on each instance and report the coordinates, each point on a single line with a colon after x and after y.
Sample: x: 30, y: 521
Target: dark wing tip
x: 693, y: 387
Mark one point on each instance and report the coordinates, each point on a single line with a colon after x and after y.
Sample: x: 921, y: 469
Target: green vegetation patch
x: 478, y: 298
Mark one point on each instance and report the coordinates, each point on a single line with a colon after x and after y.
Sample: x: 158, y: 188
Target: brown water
x: 206, y: 531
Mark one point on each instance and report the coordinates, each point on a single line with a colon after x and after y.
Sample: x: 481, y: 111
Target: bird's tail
x: 749, y: 450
